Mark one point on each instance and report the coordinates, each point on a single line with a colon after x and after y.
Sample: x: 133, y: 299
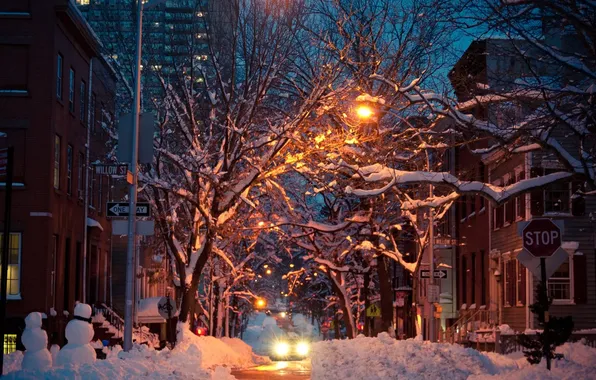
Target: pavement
x: 291, y: 370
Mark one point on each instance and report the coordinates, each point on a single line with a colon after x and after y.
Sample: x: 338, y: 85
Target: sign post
x: 6, y: 167
x: 542, y: 256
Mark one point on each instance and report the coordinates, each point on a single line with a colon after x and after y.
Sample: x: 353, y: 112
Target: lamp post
x: 132, y: 193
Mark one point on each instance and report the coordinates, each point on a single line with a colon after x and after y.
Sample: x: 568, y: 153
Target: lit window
x: 200, y: 14
x: 10, y: 343
x: 57, y: 154
x: 14, y: 265
x: 83, y: 2
x: 201, y: 35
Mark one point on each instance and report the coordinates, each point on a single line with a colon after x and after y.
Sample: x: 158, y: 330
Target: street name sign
x: 119, y: 169
x: 122, y: 209
x: 438, y: 273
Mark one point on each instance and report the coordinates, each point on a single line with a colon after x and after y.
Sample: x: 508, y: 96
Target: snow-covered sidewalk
x: 385, y: 358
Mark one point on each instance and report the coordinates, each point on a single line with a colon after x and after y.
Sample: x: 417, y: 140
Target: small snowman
x: 79, y: 333
x: 35, y: 340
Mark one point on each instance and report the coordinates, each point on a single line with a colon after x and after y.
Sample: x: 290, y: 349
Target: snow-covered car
x: 290, y: 348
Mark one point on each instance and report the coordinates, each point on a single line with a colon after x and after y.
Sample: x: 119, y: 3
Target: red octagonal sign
x: 541, y: 237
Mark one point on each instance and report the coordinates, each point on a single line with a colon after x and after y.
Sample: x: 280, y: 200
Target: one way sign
x: 439, y: 273
x: 122, y: 209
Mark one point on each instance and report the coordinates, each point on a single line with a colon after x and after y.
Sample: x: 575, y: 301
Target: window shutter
x: 521, y: 292
x: 580, y: 279
x: 537, y: 195
x: 510, y: 291
x: 578, y: 202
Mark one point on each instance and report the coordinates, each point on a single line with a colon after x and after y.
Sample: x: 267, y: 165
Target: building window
x: 81, y: 176
x: 473, y: 282
x: 515, y: 283
x: 559, y: 284
x: 557, y: 196
x: 520, y: 200
x: 464, y: 287
x: 71, y: 90
x: 507, y: 209
x: 498, y: 212
x: 464, y: 208
x: 91, y: 197
x: 69, y: 170
x: 83, y: 104
x: 92, y: 112
x: 10, y: 343
x: 57, y: 154
x: 59, y: 62
x: 14, y: 265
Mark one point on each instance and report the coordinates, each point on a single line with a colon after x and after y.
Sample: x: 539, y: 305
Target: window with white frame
x: 81, y: 176
x: 14, y: 265
x: 559, y: 284
x: 82, y: 102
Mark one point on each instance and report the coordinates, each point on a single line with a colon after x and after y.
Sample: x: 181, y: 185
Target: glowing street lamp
x: 261, y: 303
x: 268, y: 271
x: 364, y: 112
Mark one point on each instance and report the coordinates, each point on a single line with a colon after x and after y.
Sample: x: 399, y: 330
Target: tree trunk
x: 367, y: 331
x: 344, y: 303
x: 188, y: 294
x: 386, y: 294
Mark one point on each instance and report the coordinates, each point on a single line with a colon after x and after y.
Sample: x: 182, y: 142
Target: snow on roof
x: 94, y: 223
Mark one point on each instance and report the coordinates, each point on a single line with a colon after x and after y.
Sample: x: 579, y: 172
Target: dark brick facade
x: 48, y: 205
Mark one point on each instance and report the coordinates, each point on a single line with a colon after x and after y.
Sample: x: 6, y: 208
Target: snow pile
x: 12, y: 362
x: 387, y: 358
x: 141, y: 362
x: 212, y: 352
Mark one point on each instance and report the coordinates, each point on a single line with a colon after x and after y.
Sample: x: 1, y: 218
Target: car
x: 291, y: 347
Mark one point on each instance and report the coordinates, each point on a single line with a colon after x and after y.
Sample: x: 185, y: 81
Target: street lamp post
x: 132, y: 193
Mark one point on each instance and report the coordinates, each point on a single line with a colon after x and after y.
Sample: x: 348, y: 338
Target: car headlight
x: 302, y: 348
x: 282, y: 349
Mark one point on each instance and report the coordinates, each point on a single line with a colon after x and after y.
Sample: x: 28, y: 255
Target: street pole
x: 5, y: 247
x: 545, y: 318
x: 132, y: 194
x: 431, y: 281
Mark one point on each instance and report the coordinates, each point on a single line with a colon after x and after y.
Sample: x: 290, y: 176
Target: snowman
x: 79, y: 333
x: 37, y: 356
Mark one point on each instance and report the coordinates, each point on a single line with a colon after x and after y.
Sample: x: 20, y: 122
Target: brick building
x: 55, y: 93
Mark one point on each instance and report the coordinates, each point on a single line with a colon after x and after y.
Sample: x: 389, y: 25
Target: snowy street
x: 292, y: 370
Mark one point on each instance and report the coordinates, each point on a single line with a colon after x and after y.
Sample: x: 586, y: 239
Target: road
x: 296, y: 370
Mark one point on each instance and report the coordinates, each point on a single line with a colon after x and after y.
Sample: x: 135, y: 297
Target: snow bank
x: 12, y: 362
x: 386, y: 358
x: 213, y: 352
x: 140, y: 362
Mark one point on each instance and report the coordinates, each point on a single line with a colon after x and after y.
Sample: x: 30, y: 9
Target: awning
x: 94, y: 223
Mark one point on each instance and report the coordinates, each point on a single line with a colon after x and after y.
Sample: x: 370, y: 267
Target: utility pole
x: 132, y: 194
x: 431, y: 281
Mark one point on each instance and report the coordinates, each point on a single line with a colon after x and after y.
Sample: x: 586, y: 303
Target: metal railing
x: 470, y: 321
x: 112, y: 317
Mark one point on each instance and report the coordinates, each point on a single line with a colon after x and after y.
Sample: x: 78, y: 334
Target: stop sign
x: 541, y: 237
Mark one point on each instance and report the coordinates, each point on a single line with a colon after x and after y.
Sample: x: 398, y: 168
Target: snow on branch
x: 497, y: 194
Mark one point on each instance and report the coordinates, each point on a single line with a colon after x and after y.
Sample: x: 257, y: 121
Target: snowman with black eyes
x: 79, y: 333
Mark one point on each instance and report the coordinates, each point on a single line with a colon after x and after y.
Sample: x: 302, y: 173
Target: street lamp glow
x: 364, y: 112
x: 268, y: 271
x: 261, y: 303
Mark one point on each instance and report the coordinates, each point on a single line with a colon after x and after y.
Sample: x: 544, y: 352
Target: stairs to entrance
x: 108, y: 325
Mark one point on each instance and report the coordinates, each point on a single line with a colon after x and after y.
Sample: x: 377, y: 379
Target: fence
x: 507, y: 344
